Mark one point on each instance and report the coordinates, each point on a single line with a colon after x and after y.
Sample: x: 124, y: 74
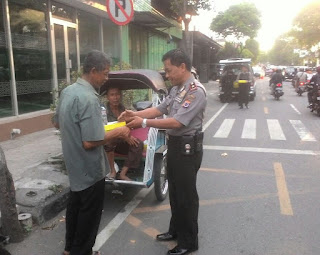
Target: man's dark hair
x: 96, y: 59
x: 108, y: 88
x: 177, y: 57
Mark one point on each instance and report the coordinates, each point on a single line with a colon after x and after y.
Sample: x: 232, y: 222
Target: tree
x: 247, y: 54
x: 242, y: 20
x: 306, y: 25
x: 228, y: 51
x: 282, y: 53
x: 184, y: 10
x: 253, y: 46
x: 9, y: 216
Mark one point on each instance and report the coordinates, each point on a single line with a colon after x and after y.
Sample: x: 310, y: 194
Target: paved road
x: 258, y: 186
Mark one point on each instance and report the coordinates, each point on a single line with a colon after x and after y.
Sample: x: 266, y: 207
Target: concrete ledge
x: 27, y: 123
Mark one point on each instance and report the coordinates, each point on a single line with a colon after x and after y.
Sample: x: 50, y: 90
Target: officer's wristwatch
x: 144, y: 123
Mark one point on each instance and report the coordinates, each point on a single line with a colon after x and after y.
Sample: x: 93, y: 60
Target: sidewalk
x: 41, y: 185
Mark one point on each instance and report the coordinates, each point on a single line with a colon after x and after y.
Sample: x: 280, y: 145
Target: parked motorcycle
x: 277, y: 90
x: 301, y: 88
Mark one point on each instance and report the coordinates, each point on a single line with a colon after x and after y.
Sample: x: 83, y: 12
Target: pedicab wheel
x: 160, y: 177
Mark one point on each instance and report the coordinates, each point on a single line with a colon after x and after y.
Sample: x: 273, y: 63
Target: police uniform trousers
x: 184, y: 201
x: 243, y: 93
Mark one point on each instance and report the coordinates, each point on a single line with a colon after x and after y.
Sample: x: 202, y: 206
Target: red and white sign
x: 120, y: 11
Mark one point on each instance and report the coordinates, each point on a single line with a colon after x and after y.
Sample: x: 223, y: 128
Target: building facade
x: 43, y: 41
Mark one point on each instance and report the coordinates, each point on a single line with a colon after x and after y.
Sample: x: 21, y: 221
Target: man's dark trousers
x: 184, y: 200
x: 83, y: 218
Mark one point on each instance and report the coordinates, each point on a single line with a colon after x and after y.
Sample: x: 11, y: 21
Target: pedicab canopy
x: 136, y: 79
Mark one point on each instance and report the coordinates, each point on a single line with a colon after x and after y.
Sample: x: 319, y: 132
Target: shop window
x: 31, y: 54
x: 5, y: 92
x: 111, y: 40
x: 63, y: 12
x: 88, y: 34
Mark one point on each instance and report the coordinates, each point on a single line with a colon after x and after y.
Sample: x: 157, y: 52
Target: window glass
x: 88, y: 34
x: 31, y: 54
x: 63, y: 12
x: 5, y: 92
x: 111, y: 40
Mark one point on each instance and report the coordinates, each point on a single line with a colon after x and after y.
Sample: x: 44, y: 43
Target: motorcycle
x: 315, y: 106
x: 277, y: 90
x: 301, y: 88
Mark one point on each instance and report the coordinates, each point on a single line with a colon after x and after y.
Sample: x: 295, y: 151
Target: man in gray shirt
x: 79, y: 119
x: 185, y: 106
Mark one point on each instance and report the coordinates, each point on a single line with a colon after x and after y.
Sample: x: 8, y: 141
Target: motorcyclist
x: 301, y: 76
x: 276, y: 78
x: 313, y: 87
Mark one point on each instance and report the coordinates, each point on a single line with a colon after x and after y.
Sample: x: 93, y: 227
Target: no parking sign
x: 120, y: 11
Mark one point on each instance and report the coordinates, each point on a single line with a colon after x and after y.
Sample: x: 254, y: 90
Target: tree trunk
x: 9, y: 215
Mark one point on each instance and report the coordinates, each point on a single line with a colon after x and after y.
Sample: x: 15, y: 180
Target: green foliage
x: 253, y: 46
x: 228, y: 51
x: 239, y: 21
x: 182, y: 7
x: 247, y: 54
x: 306, y: 25
x: 282, y: 52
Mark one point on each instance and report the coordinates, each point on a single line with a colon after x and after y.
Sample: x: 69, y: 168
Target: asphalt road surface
x: 258, y: 187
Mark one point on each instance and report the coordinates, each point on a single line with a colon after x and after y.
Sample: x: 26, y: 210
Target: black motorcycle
x: 315, y: 106
x: 277, y: 90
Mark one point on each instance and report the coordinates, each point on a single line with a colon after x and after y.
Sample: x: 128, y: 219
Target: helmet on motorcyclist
x: 301, y: 69
x: 318, y: 69
x: 278, y: 70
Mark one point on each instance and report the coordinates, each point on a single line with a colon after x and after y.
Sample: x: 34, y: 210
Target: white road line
x: 295, y: 109
x: 214, y: 117
x: 263, y: 150
x: 275, y: 130
x: 302, y: 131
x: 114, y: 224
x: 249, y: 129
x: 225, y: 128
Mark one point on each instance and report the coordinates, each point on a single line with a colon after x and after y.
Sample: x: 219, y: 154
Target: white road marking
x: 214, y: 117
x: 302, y: 131
x: 275, y: 130
x: 114, y: 224
x: 225, y: 128
x: 263, y: 150
x: 295, y: 109
x: 249, y: 129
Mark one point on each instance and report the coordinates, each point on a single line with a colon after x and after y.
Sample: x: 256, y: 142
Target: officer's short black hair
x: 96, y: 59
x: 177, y: 57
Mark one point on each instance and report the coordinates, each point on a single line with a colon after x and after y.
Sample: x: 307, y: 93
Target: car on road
x: 290, y: 72
x: 228, y: 87
x: 258, y: 72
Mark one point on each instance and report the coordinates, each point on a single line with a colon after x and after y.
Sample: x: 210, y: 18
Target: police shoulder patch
x: 193, y: 86
x: 186, y: 104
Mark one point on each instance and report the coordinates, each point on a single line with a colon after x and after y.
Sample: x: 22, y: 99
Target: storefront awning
x: 149, y: 19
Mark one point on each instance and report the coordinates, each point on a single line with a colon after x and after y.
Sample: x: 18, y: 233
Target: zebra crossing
x: 275, y: 130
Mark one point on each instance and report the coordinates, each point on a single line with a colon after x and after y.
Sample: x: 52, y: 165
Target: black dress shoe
x: 166, y: 237
x: 180, y: 251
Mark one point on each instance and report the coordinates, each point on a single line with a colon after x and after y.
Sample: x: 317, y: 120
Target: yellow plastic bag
x: 236, y: 85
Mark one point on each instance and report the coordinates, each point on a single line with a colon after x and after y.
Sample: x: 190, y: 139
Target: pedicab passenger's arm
x: 121, y: 132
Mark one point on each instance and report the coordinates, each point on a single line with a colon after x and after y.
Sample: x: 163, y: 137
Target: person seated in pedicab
x: 132, y: 148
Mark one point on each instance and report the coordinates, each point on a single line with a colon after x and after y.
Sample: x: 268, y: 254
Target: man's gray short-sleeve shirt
x: 79, y: 118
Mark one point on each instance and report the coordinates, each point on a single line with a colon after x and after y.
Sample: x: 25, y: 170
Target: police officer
x: 185, y: 106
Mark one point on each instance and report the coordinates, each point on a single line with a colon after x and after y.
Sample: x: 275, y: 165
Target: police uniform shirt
x: 186, y: 104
